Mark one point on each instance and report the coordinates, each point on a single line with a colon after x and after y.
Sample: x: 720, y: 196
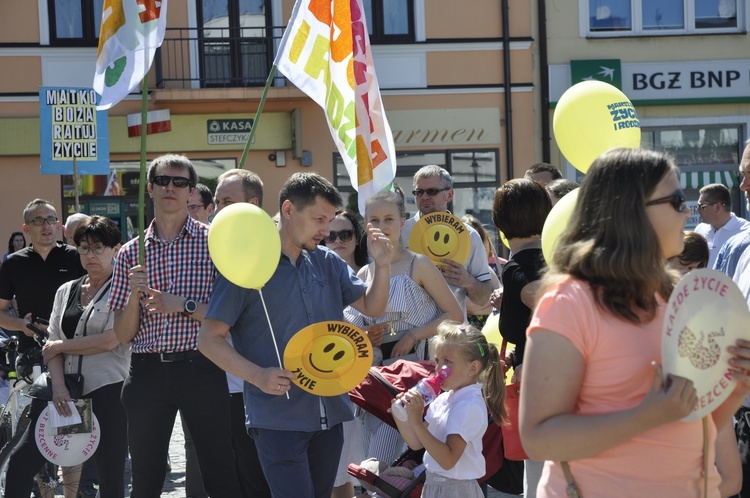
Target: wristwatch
x: 190, y: 307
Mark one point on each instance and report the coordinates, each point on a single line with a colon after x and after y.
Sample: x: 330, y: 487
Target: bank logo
x: 606, y: 70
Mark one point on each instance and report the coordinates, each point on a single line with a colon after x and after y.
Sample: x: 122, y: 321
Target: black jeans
x: 153, y: 393
x: 26, y: 460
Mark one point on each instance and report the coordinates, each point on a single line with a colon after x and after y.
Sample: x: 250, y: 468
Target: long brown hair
x: 609, y: 242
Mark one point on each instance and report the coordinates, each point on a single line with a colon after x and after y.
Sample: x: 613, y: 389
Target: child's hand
x: 414, y: 406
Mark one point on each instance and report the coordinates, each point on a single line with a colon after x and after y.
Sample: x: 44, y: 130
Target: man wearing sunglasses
x: 33, y: 274
x: 719, y: 222
x: 433, y: 190
x: 158, y: 311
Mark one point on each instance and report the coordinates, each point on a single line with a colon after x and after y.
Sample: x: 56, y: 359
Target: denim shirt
x: 317, y: 288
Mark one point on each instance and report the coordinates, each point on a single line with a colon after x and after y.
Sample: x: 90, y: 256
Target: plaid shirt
x: 181, y: 267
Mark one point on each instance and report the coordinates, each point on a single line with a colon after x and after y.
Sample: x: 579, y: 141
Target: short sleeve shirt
x: 181, y: 267
x: 34, y: 281
x: 461, y: 412
x: 315, y: 289
x: 667, y: 460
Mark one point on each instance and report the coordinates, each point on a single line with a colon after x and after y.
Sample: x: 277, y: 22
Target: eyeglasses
x: 39, y: 221
x: 677, y: 200
x: 342, y: 235
x: 177, y: 181
x: 194, y: 207
x: 96, y: 249
x: 701, y: 207
x: 432, y: 192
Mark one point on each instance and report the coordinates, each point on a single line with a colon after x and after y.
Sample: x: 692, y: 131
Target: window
x: 390, y: 21
x: 661, y: 17
x: 236, y: 48
x: 476, y: 175
x: 75, y: 22
x: 705, y: 154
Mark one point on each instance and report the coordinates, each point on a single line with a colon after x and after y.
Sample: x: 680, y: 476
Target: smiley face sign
x: 439, y: 236
x: 328, y: 358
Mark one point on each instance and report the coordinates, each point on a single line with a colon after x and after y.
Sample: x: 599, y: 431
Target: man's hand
x: 138, y: 279
x: 455, y: 273
x: 496, y: 298
x: 274, y: 381
x: 163, y: 302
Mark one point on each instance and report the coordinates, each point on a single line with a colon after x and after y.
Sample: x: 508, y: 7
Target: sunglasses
x: 676, y: 199
x: 432, y: 192
x: 177, y: 181
x: 39, y: 221
x: 342, y: 235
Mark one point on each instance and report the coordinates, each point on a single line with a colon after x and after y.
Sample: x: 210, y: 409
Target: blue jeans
x: 300, y: 464
x: 153, y: 393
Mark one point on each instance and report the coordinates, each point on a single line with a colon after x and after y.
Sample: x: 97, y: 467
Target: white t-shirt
x: 461, y: 412
x: 477, y: 264
x: 717, y: 238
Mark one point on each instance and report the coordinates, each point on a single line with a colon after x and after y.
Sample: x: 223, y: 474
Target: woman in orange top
x: 594, y: 395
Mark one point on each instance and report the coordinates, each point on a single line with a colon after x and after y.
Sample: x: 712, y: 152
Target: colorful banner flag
x: 326, y: 53
x: 131, y: 31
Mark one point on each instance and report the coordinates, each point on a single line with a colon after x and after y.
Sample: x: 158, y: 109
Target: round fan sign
x: 441, y: 235
x: 65, y: 449
x: 706, y: 313
x: 329, y: 358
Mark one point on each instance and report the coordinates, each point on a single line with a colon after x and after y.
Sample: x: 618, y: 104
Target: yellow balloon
x: 491, y: 330
x: 556, y: 222
x: 593, y: 117
x: 244, y: 245
x: 504, y: 239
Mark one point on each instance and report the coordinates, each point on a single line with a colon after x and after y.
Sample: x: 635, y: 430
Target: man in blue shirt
x: 298, y: 438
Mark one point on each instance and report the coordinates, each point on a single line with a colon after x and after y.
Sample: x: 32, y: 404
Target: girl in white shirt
x: 452, y: 430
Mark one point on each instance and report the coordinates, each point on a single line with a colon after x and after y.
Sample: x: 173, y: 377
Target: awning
x: 700, y: 179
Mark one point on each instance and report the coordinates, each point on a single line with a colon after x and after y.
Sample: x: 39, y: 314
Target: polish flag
x: 156, y: 122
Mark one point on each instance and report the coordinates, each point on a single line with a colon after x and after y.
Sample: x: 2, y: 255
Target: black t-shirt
x: 523, y: 268
x: 34, y: 281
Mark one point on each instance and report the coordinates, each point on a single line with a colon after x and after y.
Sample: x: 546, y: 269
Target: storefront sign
x: 445, y: 127
x: 228, y: 131
x: 72, y: 129
x: 661, y: 82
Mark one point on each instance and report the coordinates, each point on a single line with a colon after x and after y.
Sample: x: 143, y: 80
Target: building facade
x: 683, y: 63
x: 458, y: 90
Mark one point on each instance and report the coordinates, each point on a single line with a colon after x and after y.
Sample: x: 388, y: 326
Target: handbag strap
x: 102, y: 292
x: 571, y: 490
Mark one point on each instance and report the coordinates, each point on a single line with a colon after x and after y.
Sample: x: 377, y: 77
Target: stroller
x: 374, y: 395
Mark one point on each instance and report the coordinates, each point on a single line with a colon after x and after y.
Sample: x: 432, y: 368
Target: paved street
x: 174, y: 484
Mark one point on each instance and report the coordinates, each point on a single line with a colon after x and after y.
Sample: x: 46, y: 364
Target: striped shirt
x: 181, y: 267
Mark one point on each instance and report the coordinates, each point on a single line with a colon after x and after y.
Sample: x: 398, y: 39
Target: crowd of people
x: 163, y: 332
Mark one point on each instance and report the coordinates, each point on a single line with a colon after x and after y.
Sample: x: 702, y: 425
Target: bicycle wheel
x: 23, y: 422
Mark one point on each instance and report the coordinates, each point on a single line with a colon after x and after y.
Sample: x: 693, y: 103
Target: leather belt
x: 172, y: 357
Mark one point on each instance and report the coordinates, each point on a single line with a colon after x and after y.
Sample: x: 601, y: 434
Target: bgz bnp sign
x: 664, y: 81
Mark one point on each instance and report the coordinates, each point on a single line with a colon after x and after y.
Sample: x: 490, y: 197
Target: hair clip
x: 462, y: 328
x: 481, y: 349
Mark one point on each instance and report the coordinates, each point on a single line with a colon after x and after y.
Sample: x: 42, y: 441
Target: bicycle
x: 14, y: 417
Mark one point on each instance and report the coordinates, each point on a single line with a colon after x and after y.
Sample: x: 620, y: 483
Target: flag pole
x: 142, y: 177
x: 271, y: 75
x: 76, y: 178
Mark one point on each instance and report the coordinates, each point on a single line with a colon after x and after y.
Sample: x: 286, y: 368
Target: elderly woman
x: 81, y: 338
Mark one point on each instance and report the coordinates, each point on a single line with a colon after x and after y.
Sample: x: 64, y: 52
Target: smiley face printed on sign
x: 439, y: 236
x: 328, y: 358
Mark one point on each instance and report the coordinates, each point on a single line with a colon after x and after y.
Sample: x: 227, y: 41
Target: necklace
x: 87, y: 292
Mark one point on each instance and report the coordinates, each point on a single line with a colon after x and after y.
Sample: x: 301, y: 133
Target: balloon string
x: 273, y: 336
